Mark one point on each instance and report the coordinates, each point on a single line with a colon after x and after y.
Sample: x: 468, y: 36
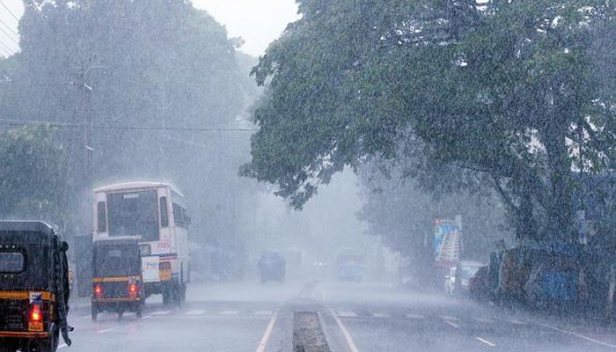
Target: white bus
x: 155, y: 214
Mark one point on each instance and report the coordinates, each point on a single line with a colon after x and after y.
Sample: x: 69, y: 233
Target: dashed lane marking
x: 345, y: 333
x: 484, y: 320
x: 229, y: 312
x: 195, y: 312
x: 452, y: 324
x: 415, y: 316
x: 267, y: 334
x: 263, y: 313
x: 161, y: 312
x: 104, y: 331
x: 447, y: 317
x: 347, y: 314
x: 485, y: 341
x: 605, y: 344
x: 129, y: 314
x: 517, y: 322
x: 381, y: 315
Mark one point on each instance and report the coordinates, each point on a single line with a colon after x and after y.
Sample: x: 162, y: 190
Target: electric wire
x: 6, y: 48
x: 9, y: 10
x: 8, y: 35
x: 124, y: 127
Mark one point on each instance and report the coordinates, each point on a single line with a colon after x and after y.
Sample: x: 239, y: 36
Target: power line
x: 9, y: 10
x: 125, y: 127
x: 8, y: 35
x: 9, y: 28
x: 6, y: 48
x: 4, y: 52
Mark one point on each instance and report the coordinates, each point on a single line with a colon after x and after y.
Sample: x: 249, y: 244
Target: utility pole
x: 84, y: 118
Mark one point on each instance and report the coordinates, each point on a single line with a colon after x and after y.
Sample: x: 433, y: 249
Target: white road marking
x: 63, y: 346
x: 229, y: 312
x: 381, y: 315
x: 161, y: 312
x: 268, y: 333
x: 345, y: 333
x: 195, y: 312
x: 452, y: 324
x: 605, y: 344
x: 447, y: 317
x: 484, y: 320
x: 129, y: 314
x: 485, y: 341
x: 105, y: 331
x: 263, y: 312
x: 146, y: 317
x: 347, y: 314
x: 415, y: 316
x: 517, y: 322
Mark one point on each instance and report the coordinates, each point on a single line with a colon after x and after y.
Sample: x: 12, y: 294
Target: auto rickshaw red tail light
x: 133, y: 289
x: 98, y: 290
x: 36, y: 314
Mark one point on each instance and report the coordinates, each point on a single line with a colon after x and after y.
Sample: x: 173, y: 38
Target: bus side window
x: 102, y: 217
x: 164, y: 213
x: 179, y: 215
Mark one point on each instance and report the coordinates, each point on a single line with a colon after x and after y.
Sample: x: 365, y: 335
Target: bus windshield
x: 133, y: 214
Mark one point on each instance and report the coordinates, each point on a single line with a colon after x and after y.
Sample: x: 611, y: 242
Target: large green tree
x: 147, y: 85
x: 512, y: 91
x: 35, y: 178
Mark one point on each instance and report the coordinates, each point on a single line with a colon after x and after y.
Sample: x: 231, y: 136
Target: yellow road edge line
x: 268, y: 333
x: 345, y: 333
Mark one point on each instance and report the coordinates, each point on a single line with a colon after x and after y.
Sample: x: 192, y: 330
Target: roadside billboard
x: 446, y: 242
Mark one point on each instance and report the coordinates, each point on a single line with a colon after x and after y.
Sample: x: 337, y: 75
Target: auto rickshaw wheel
x: 49, y: 344
x: 7, y: 348
x: 167, y: 294
x: 94, y: 311
x: 139, y: 310
x: 183, y: 293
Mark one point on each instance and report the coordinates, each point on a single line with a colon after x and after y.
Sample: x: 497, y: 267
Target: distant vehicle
x: 117, y: 282
x: 457, y: 283
x: 350, y: 266
x: 155, y: 215
x: 34, y: 290
x: 479, y: 284
x: 272, y: 267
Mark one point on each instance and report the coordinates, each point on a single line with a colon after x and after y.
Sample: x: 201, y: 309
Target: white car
x: 468, y: 270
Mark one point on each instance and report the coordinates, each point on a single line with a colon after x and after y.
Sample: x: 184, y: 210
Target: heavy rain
x: 307, y: 175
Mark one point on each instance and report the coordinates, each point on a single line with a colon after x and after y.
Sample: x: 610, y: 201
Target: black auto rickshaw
x: 34, y: 288
x: 117, y: 283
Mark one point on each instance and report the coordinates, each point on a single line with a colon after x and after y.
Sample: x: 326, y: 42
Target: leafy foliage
x: 510, y: 90
x: 135, y: 82
x: 34, y: 176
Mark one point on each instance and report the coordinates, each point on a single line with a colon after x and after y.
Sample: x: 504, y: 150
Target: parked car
x: 479, y: 284
x: 272, y: 267
x: 457, y: 281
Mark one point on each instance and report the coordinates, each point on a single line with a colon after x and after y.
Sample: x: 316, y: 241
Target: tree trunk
x: 559, y: 207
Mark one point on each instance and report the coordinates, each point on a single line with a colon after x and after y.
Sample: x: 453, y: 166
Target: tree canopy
x: 512, y: 91
x: 136, y: 89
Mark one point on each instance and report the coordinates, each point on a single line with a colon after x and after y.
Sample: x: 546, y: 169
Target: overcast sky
x: 258, y: 22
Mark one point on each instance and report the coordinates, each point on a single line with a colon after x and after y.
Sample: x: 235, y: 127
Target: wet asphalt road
x: 355, y: 318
